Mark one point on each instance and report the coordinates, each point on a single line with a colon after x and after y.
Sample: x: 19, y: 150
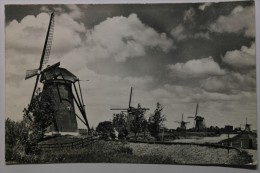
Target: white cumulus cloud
x: 202, y: 7
x: 241, y: 19
x: 244, y: 57
x: 181, y: 33
x: 124, y: 37
x: 196, y: 68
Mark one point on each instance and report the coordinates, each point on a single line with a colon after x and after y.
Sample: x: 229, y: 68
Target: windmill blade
x: 197, y: 110
x: 81, y: 94
x: 119, y: 109
x: 190, y: 117
x: 48, y: 42
x: 34, y: 89
x: 130, y: 97
x: 31, y: 73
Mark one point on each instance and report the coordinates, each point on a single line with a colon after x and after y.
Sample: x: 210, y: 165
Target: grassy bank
x: 99, y: 152
x: 118, y: 152
x: 192, y: 154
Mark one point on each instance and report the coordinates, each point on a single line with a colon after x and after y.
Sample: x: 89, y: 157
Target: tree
x: 155, y: 121
x: 120, y: 124
x: 39, y: 115
x: 105, y: 128
x: 16, y: 136
x: 138, y: 120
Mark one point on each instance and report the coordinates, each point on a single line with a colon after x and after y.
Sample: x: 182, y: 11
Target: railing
x: 68, y: 145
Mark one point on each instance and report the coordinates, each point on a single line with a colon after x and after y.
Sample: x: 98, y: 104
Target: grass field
x: 191, y: 154
x: 120, y: 152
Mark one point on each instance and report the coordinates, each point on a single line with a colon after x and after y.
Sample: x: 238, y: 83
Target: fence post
x: 230, y: 144
x: 241, y: 144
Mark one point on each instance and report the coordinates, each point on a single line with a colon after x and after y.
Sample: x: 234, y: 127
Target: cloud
x: 231, y: 83
x: 244, y: 57
x: 196, y: 68
x: 181, y: 33
x: 29, y: 34
x: 124, y: 37
x: 202, y: 7
x: 189, y: 14
x: 75, y: 11
x: 240, y: 20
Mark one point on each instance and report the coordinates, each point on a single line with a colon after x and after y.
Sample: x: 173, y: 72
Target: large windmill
x: 59, y: 81
x: 182, y: 123
x: 199, y: 124
x: 247, y: 127
x: 131, y: 110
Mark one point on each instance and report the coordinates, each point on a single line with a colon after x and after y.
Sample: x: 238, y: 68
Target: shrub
x: 16, y: 134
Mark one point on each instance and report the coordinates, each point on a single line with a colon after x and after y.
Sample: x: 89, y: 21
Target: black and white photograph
x: 131, y: 83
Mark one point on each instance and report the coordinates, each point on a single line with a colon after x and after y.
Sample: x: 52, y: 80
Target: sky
x: 176, y: 54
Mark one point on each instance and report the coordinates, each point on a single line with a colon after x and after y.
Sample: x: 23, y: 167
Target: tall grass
x: 99, y: 152
x: 122, y: 152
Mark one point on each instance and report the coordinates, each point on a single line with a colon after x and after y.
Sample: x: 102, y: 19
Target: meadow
x: 124, y: 152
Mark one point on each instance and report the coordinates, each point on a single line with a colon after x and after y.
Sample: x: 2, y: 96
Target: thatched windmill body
x: 59, y: 81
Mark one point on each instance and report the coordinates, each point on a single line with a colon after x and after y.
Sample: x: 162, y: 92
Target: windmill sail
x: 44, y: 57
x: 48, y: 42
x: 31, y: 73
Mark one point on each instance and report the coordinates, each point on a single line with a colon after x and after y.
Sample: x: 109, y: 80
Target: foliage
x: 155, y: 121
x: 138, y: 122
x: 120, y: 123
x: 106, y: 129
x: 16, y: 135
x: 40, y: 114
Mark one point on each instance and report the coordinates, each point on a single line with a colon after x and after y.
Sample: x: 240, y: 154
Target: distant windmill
x: 130, y: 110
x: 199, y: 124
x: 247, y: 127
x: 59, y: 81
x: 182, y: 123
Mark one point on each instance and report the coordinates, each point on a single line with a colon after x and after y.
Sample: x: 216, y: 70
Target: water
x: 200, y: 140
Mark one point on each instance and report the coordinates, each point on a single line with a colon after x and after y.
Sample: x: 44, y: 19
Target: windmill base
x: 62, y: 133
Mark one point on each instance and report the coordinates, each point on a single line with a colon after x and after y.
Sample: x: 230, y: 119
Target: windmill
x: 182, y: 123
x: 247, y: 127
x: 59, y: 81
x: 199, y: 124
x: 131, y: 110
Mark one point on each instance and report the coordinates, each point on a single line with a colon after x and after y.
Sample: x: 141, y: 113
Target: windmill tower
x: 130, y: 110
x: 247, y: 127
x: 182, y: 123
x: 199, y: 124
x: 59, y: 81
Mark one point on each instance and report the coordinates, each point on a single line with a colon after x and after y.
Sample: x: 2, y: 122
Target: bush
x: 16, y: 135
